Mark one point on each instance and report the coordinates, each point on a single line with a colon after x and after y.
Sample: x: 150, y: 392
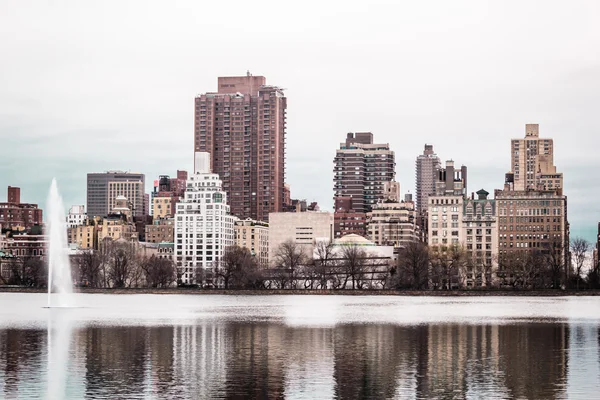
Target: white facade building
x: 76, y: 216
x: 204, y: 226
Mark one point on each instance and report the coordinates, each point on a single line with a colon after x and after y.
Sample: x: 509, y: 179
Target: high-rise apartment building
x: 532, y: 162
x: 427, y: 166
x: 243, y: 126
x: 532, y: 209
x: 361, y: 168
x: 103, y: 189
x: 203, y: 224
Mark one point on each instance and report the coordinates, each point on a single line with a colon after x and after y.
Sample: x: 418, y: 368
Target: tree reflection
x: 274, y: 360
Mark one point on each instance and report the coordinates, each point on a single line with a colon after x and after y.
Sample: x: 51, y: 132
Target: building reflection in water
x: 274, y: 360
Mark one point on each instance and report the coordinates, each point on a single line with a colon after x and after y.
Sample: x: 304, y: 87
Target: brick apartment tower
x: 242, y: 126
x: 360, y: 170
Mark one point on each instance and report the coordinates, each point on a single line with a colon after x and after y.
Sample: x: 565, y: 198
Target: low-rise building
x: 161, y: 230
x: 253, y: 235
x: 346, y: 220
x: 84, y: 236
x: 166, y: 250
x: 76, y: 216
x: 303, y: 228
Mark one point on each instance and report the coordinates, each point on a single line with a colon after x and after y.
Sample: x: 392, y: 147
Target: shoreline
x: 304, y: 292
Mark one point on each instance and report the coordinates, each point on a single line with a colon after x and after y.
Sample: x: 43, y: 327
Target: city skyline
x: 66, y: 120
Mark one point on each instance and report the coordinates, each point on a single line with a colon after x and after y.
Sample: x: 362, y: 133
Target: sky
x: 89, y: 86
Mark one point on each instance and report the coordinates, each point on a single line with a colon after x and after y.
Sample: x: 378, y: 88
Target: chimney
x: 14, y: 195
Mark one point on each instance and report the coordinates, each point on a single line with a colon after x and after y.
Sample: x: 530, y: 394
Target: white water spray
x: 60, y: 282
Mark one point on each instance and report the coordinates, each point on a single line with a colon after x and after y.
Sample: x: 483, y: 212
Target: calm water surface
x: 299, y: 347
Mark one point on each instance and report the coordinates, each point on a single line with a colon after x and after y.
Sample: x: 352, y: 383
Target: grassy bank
x: 497, y: 292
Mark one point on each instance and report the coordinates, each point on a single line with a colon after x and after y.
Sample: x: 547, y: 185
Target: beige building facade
x: 84, y: 236
x: 303, y: 228
x: 480, y: 230
x: 254, y: 236
x: 445, y: 218
x: 532, y: 162
x: 392, y: 224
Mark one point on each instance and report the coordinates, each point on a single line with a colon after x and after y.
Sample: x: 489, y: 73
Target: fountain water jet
x: 60, y: 282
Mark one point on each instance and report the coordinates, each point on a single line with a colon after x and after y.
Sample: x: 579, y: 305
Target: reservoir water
x: 299, y: 347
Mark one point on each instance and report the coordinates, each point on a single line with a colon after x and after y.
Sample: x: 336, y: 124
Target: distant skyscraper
x: 532, y: 162
x: 204, y: 226
x: 242, y: 126
x: 104, y: 187
x: 360, y: 170
x: 427, y: 166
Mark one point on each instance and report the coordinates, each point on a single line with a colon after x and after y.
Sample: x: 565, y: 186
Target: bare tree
x: 579, y: 250
x: 353, y: 262
x: 289, y: 257
x: 413, y: 267
x: 447, y: 266
x: 89, y: 266
x: 324, y: 262
x: 555, y: 260
x: 28, y: 271
x: 159, y: 272
x: 120, y: 263
x: 236, y: 267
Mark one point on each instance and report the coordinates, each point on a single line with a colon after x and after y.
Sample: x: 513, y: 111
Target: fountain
x: 60, y: 282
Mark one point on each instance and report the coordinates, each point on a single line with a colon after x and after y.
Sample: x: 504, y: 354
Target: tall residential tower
x: 360, y: 170
x: 427, y: 167
x: 242, y: 126
x: 532, y: 162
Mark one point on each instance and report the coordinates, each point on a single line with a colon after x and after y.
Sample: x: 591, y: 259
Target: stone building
x: 303, y: 228
x: 161, y: 230
x: 480, y: 231
x: 254, y: 236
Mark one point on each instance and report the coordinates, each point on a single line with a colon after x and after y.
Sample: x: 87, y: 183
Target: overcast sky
x: 87, y: 86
